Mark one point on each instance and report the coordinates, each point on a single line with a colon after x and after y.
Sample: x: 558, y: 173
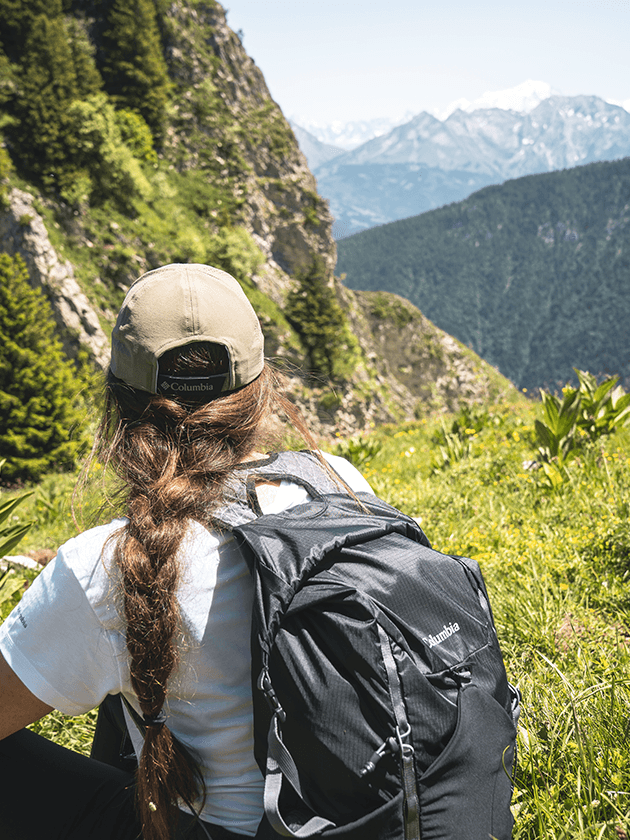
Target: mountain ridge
x: 493, y: 145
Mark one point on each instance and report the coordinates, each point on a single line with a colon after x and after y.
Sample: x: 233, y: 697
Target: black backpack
x: 382, y: 710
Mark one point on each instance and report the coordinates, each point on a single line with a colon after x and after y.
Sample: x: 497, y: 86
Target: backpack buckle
x: 264, y: 684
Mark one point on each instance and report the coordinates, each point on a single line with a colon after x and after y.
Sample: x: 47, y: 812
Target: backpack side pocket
x: 466, y: 792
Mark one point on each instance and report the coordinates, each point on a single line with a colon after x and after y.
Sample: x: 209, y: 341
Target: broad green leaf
x: 10, y: 583
x: 550, y: 405
x: 553, y: 474
x: 621, y: 402
x: 546, y: 438
x: 10, y: 537
x: 567, y: 418
x: 604, y: 388
x: 7, y: 508
x: 622, y: 418
x: 588, y: 383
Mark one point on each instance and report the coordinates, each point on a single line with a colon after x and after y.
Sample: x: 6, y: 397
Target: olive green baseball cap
x: 176, y: 305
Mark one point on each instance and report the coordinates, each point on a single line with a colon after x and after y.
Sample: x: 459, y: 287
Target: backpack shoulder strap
x: 303, y: 468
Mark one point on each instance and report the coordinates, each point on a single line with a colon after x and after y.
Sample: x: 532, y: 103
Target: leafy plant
x: 471, y: 419
x: 11, y: 582
x: 50, y: 502
x: 453, y: 446
x: 10, y: 535
x: 106, y: 163
x: 583, y: 415
x: 603, y: 408
x: 556, y: 432
x: 358, y: 449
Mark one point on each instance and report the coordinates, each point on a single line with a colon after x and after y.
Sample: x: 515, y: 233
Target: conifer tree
x: 42, y: 136
x: 7, y: 81
x: 16, y: 21
x: 133, y: 66
x: 314, y: 312
x: 88, y: 78
x: 53, y: 67
x: 40, y: 413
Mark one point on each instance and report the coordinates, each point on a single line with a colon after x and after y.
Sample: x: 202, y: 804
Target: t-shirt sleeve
x: 349, y: 473
x: 55, y: 643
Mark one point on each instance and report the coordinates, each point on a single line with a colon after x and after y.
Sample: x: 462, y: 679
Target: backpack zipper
x: 390, y: 746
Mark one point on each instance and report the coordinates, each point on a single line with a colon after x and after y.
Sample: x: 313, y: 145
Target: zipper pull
x: 391, y: 745
x: 461, y: 674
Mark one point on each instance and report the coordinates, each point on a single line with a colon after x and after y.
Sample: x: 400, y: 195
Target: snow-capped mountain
x: 561, y: 131
x: 347, y: 135
x: 313, y: 149
x: 428, y: 162
x: 522, y: 98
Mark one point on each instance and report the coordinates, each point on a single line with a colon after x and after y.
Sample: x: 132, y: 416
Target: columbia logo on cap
x: 189, y: 386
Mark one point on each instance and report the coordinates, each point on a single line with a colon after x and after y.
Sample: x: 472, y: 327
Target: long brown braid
x: 173, y: 459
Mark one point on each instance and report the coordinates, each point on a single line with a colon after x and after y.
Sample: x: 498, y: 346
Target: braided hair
x: 173, y: 459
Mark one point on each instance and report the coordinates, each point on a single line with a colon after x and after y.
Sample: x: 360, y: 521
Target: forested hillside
x: 533, y: 275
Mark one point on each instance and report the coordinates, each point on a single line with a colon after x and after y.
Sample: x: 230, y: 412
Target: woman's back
x: 158, y: 605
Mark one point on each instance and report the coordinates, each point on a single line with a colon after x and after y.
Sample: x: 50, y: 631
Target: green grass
x: 557, y: 564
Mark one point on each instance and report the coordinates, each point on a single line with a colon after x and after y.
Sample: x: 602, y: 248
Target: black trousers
x: 48, y: 792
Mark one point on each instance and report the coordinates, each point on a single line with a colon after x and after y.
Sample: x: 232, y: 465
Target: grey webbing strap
x: 280, y: 765
x: 412, y: 804
x: 302, y: 468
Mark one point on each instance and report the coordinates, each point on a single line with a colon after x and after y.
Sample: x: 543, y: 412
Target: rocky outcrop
x: 22, y: 231
x: 226, y: 122
x: 423, y: 368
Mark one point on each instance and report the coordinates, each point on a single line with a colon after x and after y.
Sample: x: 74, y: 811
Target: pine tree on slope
x: 41, y: 416
x: 133, y: 66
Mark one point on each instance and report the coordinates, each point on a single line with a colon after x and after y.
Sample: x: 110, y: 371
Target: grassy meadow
x: 553, y: 543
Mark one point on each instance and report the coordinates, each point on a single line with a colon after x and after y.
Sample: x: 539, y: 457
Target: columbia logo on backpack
x: 369, y: 724
x: 442, y: 635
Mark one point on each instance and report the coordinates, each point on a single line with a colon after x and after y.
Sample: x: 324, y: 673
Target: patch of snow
x: 523, y: 98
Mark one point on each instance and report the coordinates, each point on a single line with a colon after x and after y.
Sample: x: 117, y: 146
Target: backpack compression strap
x: 280, y: 765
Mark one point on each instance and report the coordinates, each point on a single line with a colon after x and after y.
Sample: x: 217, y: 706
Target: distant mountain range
x: 427, y: 162
x: 533, y: 275
x: 315, y: 151
x: 348, y: 135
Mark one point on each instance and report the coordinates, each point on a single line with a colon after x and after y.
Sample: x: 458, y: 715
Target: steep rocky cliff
x: 230, y: 186
x: 226, y: 122
x: 22, y: 231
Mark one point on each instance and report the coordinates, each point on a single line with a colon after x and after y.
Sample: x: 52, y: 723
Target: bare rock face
x: 22, y: 231
x: 424, y: 369
x: 226, y: 121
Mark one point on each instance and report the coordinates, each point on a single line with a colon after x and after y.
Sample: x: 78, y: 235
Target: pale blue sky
x: 349, y: 60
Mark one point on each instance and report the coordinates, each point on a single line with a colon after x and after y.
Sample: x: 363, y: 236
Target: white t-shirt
x: 66, y: 642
